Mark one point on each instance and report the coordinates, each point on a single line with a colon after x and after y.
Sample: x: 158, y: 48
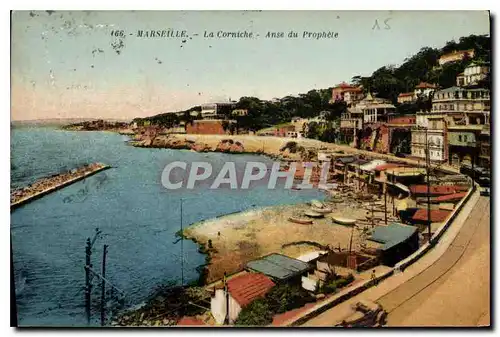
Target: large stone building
x: 453, y: 126
x: 473, y: 74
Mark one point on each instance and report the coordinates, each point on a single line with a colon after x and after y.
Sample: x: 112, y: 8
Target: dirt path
x: 456, y: 290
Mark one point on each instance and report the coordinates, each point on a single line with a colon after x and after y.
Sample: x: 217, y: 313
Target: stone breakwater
x: 47, y: 185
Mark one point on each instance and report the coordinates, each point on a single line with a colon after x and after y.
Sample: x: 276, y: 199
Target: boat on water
x: 302, y: 221
x: 343, y: 221
x: 296, y: 188
x: 325, y: 210
x: 313, y: 214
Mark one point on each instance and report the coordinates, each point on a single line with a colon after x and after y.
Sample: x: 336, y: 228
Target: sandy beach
x: 241, y: 237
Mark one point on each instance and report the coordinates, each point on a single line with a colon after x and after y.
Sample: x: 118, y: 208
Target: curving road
x: 455, y: 290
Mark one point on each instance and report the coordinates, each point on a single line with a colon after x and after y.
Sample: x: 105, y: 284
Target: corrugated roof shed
x: 437, y: 215
x: 248, y: 287
x: 279, y: 266
x: 346, y: 160
x: 392, y: 234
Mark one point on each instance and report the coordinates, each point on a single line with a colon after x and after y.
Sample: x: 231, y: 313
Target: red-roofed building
x: 190, y: 321
x: 347, y: 93
x: 424, y: 89
x: 437, y: 215
x: 243, y: 290
x: 419, y: 190
x: 406, y: 97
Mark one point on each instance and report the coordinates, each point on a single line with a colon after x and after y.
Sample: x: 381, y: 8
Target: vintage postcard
x: 250, y: 168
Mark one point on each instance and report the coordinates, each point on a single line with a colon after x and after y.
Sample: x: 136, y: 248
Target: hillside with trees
x: 386, y: 82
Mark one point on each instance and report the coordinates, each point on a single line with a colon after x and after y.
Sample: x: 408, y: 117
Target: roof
x: 425, y: 85
x: 311, y: 256
x: 386, y: 166
x: 187, y: 320
x: 441, y: 190
x: 404, y: 94
x: 392, y: 234
x: 451, y: 197
x: 359, y: 162
x: 278, y: 266
x: 405, y: 171
x: 248, y: 287
x: 451, y: 89
x: 437, y: 215
x: 372, y: 165
x: 346, y: 160
x: 346, y: 86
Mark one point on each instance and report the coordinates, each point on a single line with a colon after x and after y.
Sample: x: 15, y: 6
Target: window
x: 459, y: 138
x: 465, y: 138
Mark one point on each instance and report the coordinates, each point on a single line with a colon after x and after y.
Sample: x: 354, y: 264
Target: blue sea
x: 137, y: 216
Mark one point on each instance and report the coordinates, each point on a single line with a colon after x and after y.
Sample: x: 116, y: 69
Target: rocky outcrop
x: 230, y: 146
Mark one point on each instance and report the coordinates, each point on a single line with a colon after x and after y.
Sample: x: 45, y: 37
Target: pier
x: 48, y: 185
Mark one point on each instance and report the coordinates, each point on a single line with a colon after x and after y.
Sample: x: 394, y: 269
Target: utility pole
x: 385, y: 202
x: 103, y: 285
x: 427, y: 164
x: 88, y: 286
x: 226, y: 294
x: 182, y: 250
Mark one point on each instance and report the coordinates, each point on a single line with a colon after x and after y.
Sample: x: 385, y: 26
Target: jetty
x: 48, y: 185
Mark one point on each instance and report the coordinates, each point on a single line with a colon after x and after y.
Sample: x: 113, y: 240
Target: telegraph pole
x: 427, y: 164
x: 88, y: 286
x: 385, y: 202
x: 103, y: 285
x: 182, y: 250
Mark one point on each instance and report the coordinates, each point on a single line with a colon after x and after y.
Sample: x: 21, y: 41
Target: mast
x: 182, y: 250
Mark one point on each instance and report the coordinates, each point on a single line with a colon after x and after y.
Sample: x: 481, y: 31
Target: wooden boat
x: 313, y: 214
x: 296, y: 188
x: 344, y: 221
x: 325, y: 210
x: 301, y: 221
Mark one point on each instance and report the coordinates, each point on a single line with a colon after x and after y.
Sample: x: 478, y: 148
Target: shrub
x: 285, y: 297
x: 292, y: 146
x: 256, y: 313
x: 210, y: 243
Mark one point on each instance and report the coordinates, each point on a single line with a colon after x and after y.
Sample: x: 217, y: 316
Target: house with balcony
x: 429, y: 132
x: 455, y: 123
x: 473, y: 74
x: 361, y: 125
x: 456, y: 56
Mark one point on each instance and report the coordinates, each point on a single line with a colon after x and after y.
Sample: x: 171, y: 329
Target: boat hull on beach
x: 300, y: 221
x: 343, y: 221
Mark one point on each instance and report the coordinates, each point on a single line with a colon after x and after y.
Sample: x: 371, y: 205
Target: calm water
x: 137, y: 215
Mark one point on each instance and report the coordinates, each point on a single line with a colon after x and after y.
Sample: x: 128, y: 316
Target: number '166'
x: 117, y: 33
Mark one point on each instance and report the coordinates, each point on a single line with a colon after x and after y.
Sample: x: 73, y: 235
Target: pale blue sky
x: 46, y: 50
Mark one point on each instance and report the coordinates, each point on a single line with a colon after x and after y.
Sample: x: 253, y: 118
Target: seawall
x: 56, y: 186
